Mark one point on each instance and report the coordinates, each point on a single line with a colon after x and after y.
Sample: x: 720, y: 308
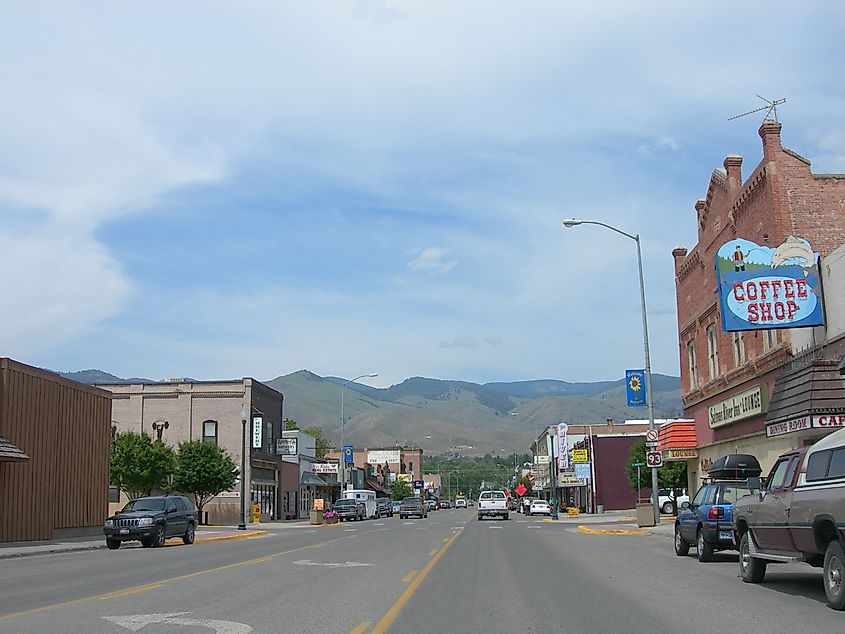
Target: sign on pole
x: 348, y: 457
x: 286, y: 446
x: 580, y: 455
x: 654, y: 459
x: 652, y: 435
x: 635, y: 388
x: 582, y: 470
x: 563, y: 450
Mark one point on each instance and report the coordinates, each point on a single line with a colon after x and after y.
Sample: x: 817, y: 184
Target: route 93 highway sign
x: 654, y: 459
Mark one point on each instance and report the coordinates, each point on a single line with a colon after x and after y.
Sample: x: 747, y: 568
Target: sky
x: 225, y: 189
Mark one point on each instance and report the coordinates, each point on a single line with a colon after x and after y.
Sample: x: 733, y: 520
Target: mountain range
x: 441, y: 415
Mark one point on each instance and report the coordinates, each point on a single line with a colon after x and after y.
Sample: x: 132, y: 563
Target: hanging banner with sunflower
x: 635, y: 388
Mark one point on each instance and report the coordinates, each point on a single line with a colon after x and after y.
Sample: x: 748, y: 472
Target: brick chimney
x: 679, y: 253
x: 733, y: 166
x: 770, y: 133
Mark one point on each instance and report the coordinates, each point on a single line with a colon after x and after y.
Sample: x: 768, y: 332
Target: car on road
x: 431, y: 505
x: 413, y: 506
x: 445, y: 504
x: 540, y: 507
x: 460, y: 502
x: 151, y: 520
x: 798, y: 516
x: 395, y: 507
x: 707, y: 521
x: 349, y: 509
x: 668, y: 500
x: 385, y: 507
x: 492, y: 504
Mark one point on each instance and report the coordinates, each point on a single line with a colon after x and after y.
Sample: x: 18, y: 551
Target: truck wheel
x: 705, y: 548
x: 113, y: 544
x: 188, y: 537
x: 751, y: 569
x: 159, y: 538
x: 681, y: 545
x: 480, y: 516
x: 667, y: 508
x: 834, y: 568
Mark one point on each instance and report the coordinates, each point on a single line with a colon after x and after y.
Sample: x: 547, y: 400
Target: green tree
x: 137, y: 465
x: 203, y: 469
x: 289, y: 424
x: 672, y: 475
x: 400, y: 490
x: 322, y: 443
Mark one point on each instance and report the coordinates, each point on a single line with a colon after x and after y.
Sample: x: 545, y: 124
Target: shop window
x: 209, y: 431
x: 693, y: 369
x: 114, y: 494
x: 739, y: 349
x: 712, y: 351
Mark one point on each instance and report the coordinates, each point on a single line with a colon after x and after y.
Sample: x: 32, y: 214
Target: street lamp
x: 342, y: 456
x: 572, y: 222
x: 242, y: 524
x: 536, y: 423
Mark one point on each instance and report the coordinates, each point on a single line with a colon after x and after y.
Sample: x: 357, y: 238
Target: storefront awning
x: 311, y: 480
x: 10, y: 453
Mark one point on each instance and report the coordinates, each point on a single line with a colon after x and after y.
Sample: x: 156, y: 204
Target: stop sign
x: 520, y: 489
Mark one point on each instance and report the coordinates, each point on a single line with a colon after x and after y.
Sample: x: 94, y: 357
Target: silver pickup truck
x: 798, y: 516
x: 492, y: 504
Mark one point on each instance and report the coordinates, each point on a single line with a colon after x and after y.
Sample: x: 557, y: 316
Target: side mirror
x: 684, y: 506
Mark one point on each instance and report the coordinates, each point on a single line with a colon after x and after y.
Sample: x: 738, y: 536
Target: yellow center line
x: 158, y: 584
x: 360, y: 629
x: 387, y: 620
x: 432, y: 552
x: 410, y: 575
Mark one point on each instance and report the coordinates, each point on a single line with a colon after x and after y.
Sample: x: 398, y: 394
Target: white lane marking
x: 494, y: 527
x: 456, y: 528
x: 349, y: 530
x: 407, y: 523
x: 136, y: 622
x: 521, y: 521
x: 346, y: 564
x: 535, y: 527
x: 377, y: 524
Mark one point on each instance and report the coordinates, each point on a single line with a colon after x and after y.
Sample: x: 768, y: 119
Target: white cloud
x: 432, y: 260
x: 464, y: 341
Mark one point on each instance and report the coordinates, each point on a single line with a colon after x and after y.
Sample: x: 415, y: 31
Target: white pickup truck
x: 492, y: 503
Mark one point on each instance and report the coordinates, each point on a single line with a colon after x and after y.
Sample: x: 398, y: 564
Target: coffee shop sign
x: 739, y: 407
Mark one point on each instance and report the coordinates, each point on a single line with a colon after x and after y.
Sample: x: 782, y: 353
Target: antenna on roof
x: 771, y: 107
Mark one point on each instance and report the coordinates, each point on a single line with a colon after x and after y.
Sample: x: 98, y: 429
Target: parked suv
x: 349, y: 509
x: 151, y: 520
x: 385, y: 507
x: 798, y: 516
x: 707, y: 521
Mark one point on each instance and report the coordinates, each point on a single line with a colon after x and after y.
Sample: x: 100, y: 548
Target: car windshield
x: 411, y: 500
x: 345, y: 502
x: 145, y: 504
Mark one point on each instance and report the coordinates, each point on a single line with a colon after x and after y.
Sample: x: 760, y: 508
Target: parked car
x: 395, y: 507
x: 460, y: 502
x: 445, y: 504
x: 492, y: 504
x: 668, y: 500
x: 431, y: 504
x: 707, y: 521
x: 385, y: 507
x: 798, y: 516
x: 349, y: 509
x: 151, y: 520
x: 413, y: 506
x: 540, y: 507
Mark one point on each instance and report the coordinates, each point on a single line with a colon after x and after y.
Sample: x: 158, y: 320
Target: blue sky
x: 218, y: 190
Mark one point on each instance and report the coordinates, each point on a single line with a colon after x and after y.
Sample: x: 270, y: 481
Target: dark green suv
x: 151, y: 520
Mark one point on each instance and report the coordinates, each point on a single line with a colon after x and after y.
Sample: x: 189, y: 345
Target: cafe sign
x: 739, y: 407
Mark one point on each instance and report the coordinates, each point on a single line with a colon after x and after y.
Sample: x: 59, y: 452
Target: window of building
x: 770, y: 340
x: 712, y: 351
x: 209, y: 431
x: 739, y: 349
x: 693, y: 370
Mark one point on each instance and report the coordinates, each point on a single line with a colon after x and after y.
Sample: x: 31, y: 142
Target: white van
x: 460, y: 502
x: 365, y: 497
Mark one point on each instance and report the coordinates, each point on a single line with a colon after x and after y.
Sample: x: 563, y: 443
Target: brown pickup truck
x: 799, y: 515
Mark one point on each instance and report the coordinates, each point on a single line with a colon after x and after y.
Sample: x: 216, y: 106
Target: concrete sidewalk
x: 203, y: 534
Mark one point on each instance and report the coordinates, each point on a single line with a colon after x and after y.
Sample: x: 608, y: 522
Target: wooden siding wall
x: 65, y: 428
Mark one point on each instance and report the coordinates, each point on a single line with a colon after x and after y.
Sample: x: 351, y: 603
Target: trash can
x: 600, y: 509
x: 645, y: 514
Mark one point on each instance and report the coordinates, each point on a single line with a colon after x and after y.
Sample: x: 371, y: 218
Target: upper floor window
x: 693, y: 368
x: 712, y: 352
x: 739, y: 349
x: 209, y: 431
x: 770, y: 340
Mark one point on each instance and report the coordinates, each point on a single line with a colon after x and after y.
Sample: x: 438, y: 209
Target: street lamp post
x: 342, y: 456
x: 572, y: 222
x: 242, y: 524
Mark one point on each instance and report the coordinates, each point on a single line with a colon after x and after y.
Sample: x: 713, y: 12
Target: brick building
x: 780, y: 198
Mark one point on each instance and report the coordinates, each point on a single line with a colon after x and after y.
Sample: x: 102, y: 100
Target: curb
x: 247, y: 535
x: 610, y: 531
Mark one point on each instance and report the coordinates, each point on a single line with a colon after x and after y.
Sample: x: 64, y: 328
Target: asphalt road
x: 447, y: 573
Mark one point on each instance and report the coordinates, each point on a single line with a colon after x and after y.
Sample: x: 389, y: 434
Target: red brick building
x: 781, y: 197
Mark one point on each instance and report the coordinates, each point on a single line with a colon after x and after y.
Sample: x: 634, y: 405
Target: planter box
x: 645, y: 514
x: 316, y: 517
x: 331, y: 520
